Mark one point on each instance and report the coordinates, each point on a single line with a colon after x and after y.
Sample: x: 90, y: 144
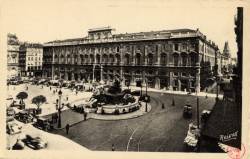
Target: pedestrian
x: 206, y: 96
x: 56, y: 90
x: 67, y: 129
x: 113, y: 147
x: 76, y: 92
x: 67, y: 98
x: 173, y: 102
x: 85, y: 116
x: 163, y: 106
x: 50, y: 88
x: 27, y: 88
x: 53, y: 91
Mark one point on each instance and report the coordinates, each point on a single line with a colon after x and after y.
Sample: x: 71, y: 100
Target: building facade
x: 13, y: 50
x: 34, y: 58
x: 167, y: 59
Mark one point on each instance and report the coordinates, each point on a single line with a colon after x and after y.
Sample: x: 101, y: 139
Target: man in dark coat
x: 67, y: 129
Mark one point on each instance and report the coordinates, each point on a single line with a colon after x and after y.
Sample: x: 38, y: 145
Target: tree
x: 39, y: 100
x: 21, y: 96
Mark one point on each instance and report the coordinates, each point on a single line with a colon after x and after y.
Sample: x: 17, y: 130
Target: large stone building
x: 167, y: 59
x: 34, y: 58
x: 13, y: 50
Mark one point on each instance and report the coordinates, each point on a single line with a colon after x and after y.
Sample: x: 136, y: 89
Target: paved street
x: 160, y: 130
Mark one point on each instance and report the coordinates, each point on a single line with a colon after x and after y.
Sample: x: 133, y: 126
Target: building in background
x: 168, y: 59
x: 13, y: 50
x: 34, y: 59
x: 23, y: 59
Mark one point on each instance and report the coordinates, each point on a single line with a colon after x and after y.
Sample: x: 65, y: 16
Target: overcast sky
x: 43, y: 21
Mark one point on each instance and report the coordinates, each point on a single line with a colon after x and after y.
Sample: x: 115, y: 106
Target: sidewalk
x: 202, y: 94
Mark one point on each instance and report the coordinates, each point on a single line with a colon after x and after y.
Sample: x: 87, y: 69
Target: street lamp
x: 59, y: 108
x: 146, y: 98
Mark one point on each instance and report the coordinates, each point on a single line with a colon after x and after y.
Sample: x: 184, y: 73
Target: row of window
x: 35, y: 58
x: 128, y: 48
x: 178, y: 60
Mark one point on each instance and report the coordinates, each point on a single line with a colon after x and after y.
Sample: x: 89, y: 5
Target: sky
x: 43, y: 21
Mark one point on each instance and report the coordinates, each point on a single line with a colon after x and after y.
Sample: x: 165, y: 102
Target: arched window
x: 86, y: 58
x: 150, y: 59
x: 118, y: 59
x: 126, y: 60
x: 175, y: 59
x: 193, y: 59
x: 98, y: 58
x: 163, y: 60
x: 68, y: 58
x: 184, y: 59
x: 92, y: 59
x: 81, y: 59
x: 104, y: 58
x: 112, y: 59
x: 138, y: 59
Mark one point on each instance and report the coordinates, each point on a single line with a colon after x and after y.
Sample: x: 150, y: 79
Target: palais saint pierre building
x: 167, y: 59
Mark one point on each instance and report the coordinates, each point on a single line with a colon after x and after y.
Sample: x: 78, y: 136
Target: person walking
x: 50, y: 88
x: 163, y: 106
x: 113, y: 147
x: 67, y: 129
x: 85, y: 116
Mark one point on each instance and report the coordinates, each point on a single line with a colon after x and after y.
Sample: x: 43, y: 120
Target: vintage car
x: 19, y: 145
x: 24, y: 116
x: 13, y: 128
x: 35, y: 142
x: 187, y: 111
x: 10, y: 112
x: 205, y: 115
x: 192, y: 137
x: 43, y: 123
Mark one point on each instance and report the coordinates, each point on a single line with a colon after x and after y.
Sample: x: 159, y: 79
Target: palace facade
x: 167, y: 59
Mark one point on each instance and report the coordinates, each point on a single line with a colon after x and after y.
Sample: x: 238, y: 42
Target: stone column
x: 66, y: 75
x: 158, y: 46
x: 146, y: 55
x: 72, y: 76
x: 157, y: 83
x: 133, y: 55
x: 101, y: 81
x: 143, y: 78
x: 179, y: 85
x: 170, y: 85
x: 132, y: 83
x: 122, y: 77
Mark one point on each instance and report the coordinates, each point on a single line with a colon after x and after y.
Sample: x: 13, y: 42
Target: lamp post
x: 146, y: 98
x: 59, y: 108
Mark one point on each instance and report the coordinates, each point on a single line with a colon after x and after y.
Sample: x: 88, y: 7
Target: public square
x: 159, y: 130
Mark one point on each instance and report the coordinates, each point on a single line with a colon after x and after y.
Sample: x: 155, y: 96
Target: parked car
x: 19, y: 145
x: 43, y: 123
x: 187, y: 111
x: 13, y: 128
x: 24, y: 116
x: 35, y: 142
x: 10, y: 112
x: 205, y: 115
